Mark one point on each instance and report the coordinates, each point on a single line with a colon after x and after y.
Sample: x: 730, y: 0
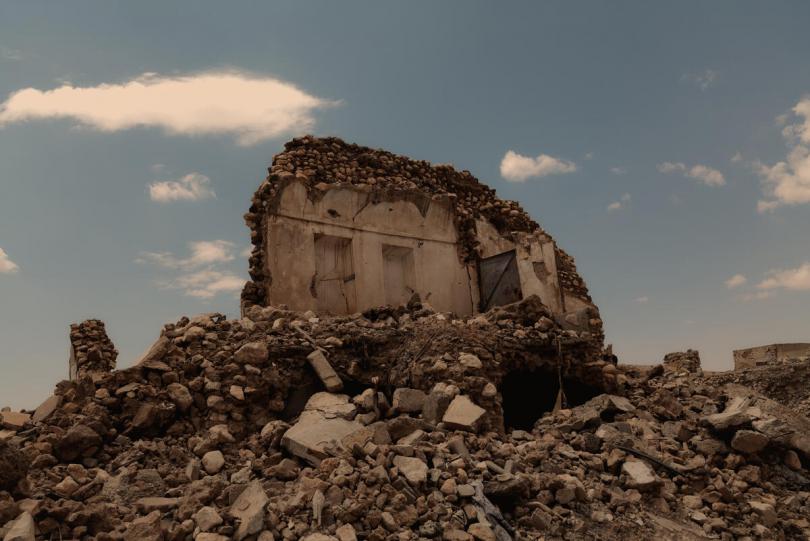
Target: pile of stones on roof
x: 210, y: 437
x: 331, y: 161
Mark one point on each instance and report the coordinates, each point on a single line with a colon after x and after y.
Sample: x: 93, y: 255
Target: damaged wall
x: 342, y: 252
x: 359, y: 211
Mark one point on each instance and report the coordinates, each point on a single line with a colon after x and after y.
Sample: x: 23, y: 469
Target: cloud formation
x: 736, y: 281
x: 200, y: 274
x: 623, y: 201
x: 205, y: 284
x: 7, y: 266
x: 787, y: 182
x: 618, y: 170
x: 703, y: 173
x: 797, y: 279
x: 191, y: 187
x: 641, y: 300
x: 518, y: 168
x: 251, y: 108
x: 204, y: 252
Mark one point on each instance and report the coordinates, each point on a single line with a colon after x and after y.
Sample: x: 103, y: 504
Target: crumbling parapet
x: 91, y: 350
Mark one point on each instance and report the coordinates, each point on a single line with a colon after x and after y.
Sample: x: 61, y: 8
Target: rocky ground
x: 391, y: 426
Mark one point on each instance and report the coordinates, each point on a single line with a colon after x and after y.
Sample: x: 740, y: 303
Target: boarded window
x: 334, y: 275
x: 499, y: 280
x: 399, y: 274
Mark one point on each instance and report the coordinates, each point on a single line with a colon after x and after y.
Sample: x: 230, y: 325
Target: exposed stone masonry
x: 91, y: 350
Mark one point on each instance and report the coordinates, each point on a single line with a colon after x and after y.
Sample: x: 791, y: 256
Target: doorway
x: 399, y: 275
x: 334, y: 275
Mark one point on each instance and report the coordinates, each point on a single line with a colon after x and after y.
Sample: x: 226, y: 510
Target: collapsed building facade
x: 339, y: 228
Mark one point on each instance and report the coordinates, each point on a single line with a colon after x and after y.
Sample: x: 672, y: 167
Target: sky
x: 666, y: 146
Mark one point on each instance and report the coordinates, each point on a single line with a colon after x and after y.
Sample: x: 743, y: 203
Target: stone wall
x: 91, y: 350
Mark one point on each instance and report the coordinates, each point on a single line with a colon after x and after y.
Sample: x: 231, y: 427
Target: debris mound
x: 228, y: 430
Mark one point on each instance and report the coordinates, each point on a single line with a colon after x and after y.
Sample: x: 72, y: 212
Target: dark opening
x: 577, y: 393
x: 527, y: 395
x: 297, y: 398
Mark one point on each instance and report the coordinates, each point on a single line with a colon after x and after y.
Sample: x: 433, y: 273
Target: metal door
x: 499, y: 280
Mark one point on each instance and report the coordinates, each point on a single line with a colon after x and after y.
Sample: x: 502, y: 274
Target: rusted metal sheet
x: 499, y: 280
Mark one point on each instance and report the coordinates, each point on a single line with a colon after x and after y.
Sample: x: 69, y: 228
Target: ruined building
x: 451, y: 387
x: 770, y: 354
x: 339, y: 228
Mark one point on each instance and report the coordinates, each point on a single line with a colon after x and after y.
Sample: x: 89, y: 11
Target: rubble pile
x: 323, y: 161
x: 391, y: 425
x: 787, y: 382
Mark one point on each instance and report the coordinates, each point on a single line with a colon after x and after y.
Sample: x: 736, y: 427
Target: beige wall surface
x: 750, y: 357
x: 374, y: 228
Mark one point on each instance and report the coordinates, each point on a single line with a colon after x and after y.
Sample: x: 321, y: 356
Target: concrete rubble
x: 414, y: 447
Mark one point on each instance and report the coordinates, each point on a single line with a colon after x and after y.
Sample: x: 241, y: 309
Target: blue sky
x: 664, y: 145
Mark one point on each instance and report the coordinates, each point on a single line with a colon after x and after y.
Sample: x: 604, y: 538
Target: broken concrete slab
x: 13, y: 420
x: 249, y: 510
x: 331, y: 405
x: 253, y: 353
x: 21, y: 529
x: 463, y: 414
x: 156, y: 351
x: 45, y: 409
x: 322, y: 424
x: 327, y: 375
x: 639, y: 475
x: 735, y: 415
x: 414, y: 470
x: 408, y: 400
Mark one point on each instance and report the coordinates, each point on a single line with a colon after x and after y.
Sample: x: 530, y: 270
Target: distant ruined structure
x: 770, y: 354
x: 339, y: 228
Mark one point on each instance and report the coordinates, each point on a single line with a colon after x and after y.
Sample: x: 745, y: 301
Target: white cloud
x: 204, y: 252
x: 589, y: 156
x: 191, y: 187
x: 797, y: 279
x: 764, y: 206
x: 703, y: 173
x: 757, y: 296
x: 7, y: 266
x: 703, y: 80
x: 247, y: 252
x: 787, y: 182
x: 201, y: 274
x: 12, y: 55
x: 736, y: 281
x: 623, y: 201
x: 518, y: 168
x: 205, y: 284
x: 251, y: 108
x: 736, y: 158
x: 618, y: 170
x: 641, y: 300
